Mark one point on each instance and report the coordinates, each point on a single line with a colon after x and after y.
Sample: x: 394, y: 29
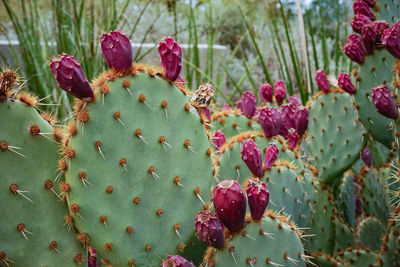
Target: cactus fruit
x: 270, y: 120
x: 117, y: 50
x: 280, y: 91
x: 176, y: 261
x: 171, y: 57
x: 121, y: 166
x: 369, y: 233
x: 258, y: 197
x: 35, y: 227
x: 335, y: 134
x: 391, y: 40
x: 218, y: 139
x: 70, y: 77
x: 361, y: 7
x: 209, y: 229
x: 230, y: 204
x: 271, y: 155
x: 369, y: 36
x: 384, y: 102
x: 248, y: 104
x: 252, y: 157
x: 253, y: 245
x: 344, y: 82
x: 359, y: 21
x: 322, y: 80
x: 265, y: 93
x: 354, y: 49
x: 366, y: 156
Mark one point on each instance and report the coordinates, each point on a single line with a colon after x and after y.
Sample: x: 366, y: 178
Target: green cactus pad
x: 380, y: 153
x: 140, y: 170
x: 390, y: 250
x: 321, y: 223
x: 325, y: 260
x: 254, y: 245
x: 344, y: 237
x: 369, y: 232
x: 359, y: 258
x: 345, y: 199
x: 376, y: 70
x: 335, y: 135
x: 374, y: 198
x: 231, y: 123
x: 33, y: 231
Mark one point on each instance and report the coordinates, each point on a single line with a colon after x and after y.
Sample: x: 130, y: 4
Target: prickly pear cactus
x: 369, y: 233
x: 139, y: 167
x: 231, y: 123
x: 359, y: 257
x: 344, y: 236
x: 252, y: 246
x: 335, y: 134
x: 375, y: 71
x: 35, y: 227
x: 345, y: 199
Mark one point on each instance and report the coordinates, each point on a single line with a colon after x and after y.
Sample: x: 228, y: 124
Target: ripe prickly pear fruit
x: 383, y: 101
x: 271, y: 155
x: 354, y: 49
x: 361, y: 7
x: 322, y: 80
x: 366, y: 156
x: 359, y: 21
x: 391, y: 40
x: 380, y: 26
x: 270, y: 119
x: 358, y: 205
x: 252, y: 157
x: 176, y: 261
x: 117, y: 50
x: 70, y: 77
x: 209, y: 229
x: 369, y: 37
x: 258, y: 197
x: 248, y: 104
x: 265, y: 92
x: 218, y: 139
x: 280, y: 91
x: 294, y: 100
x: 301, y: 120
x: 171, y: 58
x: 230, y: 204
x: 345, y: 83
x: 92, y: 257
x: 288, y: 119
x: 293, y: 138
x: 371, y: 3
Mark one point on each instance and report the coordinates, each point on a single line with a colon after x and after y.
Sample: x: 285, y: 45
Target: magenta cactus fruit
x: 301, y: 120
x: 218, y: 139
x: 258, y: 197
x: 361, y: 7
x: 294, y: 100
x: 354, y: 49
x: 358, y: 205
x: 271, y: 155
x: 369, y: 37
x: 70, y: 77
x: 252, y: 157
x: 322, y: 80
x: 230, y: 204
x: 117, y: 50
x: 293, y: 138
x: 391, y: 40
x: 226, y: 107
x: 270, y: 120
x: 171, y: 58
x: 359, y: 21
x: 288, y: 119
x: 92, y: 257
x: 280, y: 91
x: 366, y: 156
x: 248, y: 104
x: 266, y: 92
x: 383, y: 101
x: 205, y: 112
x: 371, y: 3
x: 380, y: 26
x: 176, y: 261
x: 209, y: 229
x: 345, y: 83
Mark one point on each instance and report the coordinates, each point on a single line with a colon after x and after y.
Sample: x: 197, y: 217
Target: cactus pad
x: 369, y: 233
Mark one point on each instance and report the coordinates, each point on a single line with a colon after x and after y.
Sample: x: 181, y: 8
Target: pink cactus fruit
x: 391, y: 40
x: 354, y: 49
x: 369, y: 37
x: 171, y: 57
x: 280, y: 91
x: 92, y: 257
x: 322, y: 80
x: 380, y: 26
x: 345, y: 83
x: 248, y: 104
x: 271, y: 155
x: 230, y: 204
x: 383, y: 101
x: 70, y: 77
x: 258, y: 197
x: 366, y: 156
x: 371, y: 3
x: 359, y: 21
x: 176, y: 261
x: 218, y: 139
x: 358, y: 205
x: 361, y: 7
x: 205, y: 112
x: 266, y: 92
x: 288, y: 119
x: 226, y: 107
x: 270, y: 120
x: 117, y: 50
x: 252, y: 157
x: 301, y: 120
x: 293, y: 138
x: 209, y: 229
x: 294, y: 100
